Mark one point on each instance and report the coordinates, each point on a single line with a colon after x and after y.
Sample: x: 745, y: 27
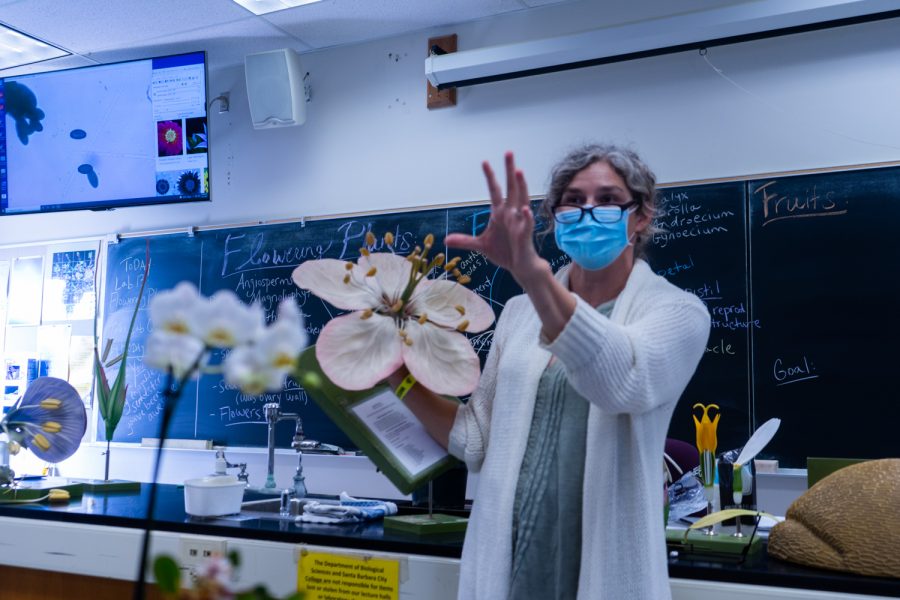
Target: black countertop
x: 127, y: 509
x: 762, y: 569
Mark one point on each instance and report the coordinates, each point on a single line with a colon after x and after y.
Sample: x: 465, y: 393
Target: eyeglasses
x: 607, y: 213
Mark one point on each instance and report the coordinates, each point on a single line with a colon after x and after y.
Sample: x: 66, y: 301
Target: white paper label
x: 400, y: 432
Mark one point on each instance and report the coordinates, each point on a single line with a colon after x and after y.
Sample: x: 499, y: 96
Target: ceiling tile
x: 84, y: 26
x: 336, y: 22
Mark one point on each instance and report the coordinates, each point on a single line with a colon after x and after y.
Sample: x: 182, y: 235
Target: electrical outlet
x: 195, y: 550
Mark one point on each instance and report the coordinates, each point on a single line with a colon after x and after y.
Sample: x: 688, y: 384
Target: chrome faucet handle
x: 271, y: 411
x: 243, y: 475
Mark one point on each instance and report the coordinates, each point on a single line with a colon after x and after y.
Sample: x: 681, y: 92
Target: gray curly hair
x: 638, y: 177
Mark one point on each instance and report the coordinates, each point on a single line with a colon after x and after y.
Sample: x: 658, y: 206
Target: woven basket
x: 849, y: 521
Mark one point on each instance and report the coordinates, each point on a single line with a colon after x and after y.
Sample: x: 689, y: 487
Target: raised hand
x: 507, y: 240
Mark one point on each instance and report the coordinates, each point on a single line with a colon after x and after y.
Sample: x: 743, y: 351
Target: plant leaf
x: 102, y: 386
x: 114, y: 400
x: 724, y: 515
x: 167, y: 574
x: 234, y: 558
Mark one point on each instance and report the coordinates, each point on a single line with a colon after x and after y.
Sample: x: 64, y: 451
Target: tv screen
x: 105, y: 136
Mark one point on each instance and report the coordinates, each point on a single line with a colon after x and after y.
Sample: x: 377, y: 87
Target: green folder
x: 338, y: 405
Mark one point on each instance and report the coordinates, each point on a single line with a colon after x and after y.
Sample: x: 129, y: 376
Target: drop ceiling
x: 105, y: 30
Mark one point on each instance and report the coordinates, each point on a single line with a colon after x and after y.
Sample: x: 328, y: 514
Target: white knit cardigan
x: 632, y: 367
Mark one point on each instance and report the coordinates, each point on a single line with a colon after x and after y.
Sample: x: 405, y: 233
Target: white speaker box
x: 275, y: 89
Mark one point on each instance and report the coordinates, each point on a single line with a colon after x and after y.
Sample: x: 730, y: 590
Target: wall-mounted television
x: 105, y: 136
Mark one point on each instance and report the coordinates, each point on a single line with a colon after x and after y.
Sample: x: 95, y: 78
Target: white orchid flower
x: 166, y: 350
x: 263, y: 365
x: 173, y: 310
x: 245, y: 369
x: 223, y: 321
x: 400, y: 316
x: 280, y: 343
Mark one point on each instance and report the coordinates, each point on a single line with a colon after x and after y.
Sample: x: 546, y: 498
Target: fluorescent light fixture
x: 17, y: 49
x: 262, y: 7
x: 728, y: 25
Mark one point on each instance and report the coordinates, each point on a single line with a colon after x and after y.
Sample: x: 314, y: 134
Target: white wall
x: 819, y: 99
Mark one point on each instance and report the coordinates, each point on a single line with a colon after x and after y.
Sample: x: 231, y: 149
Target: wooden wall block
x: 441, y: 98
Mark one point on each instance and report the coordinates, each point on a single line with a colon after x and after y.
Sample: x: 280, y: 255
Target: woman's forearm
x: 553, y: 303
x: 435, y: 412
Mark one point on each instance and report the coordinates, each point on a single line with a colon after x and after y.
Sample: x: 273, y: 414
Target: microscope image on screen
x: 105, y: 136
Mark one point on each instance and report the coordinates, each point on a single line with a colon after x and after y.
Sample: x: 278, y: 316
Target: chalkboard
x: 256, y: 263
x: 825, y: 294
x: 795, y: 271
x: 702, y: 248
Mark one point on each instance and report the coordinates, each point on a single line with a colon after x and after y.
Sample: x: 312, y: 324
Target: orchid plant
x: 410, y: 310
x: 213, y: 580
x: 188, y: 327
x: 111, y: 399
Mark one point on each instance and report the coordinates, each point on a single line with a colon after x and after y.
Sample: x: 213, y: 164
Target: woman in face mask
x: 567, y: 426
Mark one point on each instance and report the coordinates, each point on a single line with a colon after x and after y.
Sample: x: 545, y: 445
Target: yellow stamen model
x: 41, y: 442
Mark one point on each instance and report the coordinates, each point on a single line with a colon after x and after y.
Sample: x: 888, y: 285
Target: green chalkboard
x: 825, y: 293
x: 702, y: 249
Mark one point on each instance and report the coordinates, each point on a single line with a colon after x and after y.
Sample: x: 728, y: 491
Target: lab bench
x: 99, y: 536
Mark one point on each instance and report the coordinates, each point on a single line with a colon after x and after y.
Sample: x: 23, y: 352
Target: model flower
x: 706, y: 444
x: 49, y: 420
x: 400, y: 315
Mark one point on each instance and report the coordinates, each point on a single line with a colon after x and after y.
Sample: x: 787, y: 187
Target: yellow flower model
x: 400, y: 316
x: 706, y: 444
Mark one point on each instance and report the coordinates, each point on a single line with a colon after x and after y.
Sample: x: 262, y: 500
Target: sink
x: 270, y: 508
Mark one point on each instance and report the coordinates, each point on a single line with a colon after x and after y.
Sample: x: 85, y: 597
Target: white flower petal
x: 166, y: 351
x: 172, y: 310
x: 358, y: 353
x: 279, y: 344
x: 289, y: 311
x: 438, y: 299
x: 443, y: 361
x: 245, y: 368
x: 391, y: 274
x: 325, y: 279
x: 224, y: 321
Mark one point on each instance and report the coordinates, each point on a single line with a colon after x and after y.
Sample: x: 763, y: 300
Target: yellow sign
x: 325, y: 576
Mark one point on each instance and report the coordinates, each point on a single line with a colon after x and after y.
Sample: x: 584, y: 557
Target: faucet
x: 273, y: 415
x: 222, y: 464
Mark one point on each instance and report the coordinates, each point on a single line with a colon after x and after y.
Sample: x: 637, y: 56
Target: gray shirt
x: 546, y: 544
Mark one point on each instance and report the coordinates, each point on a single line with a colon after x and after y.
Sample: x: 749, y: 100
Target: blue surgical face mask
x: 592, y: 245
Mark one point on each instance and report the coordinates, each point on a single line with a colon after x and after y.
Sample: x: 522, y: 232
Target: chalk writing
x: 683, y: 218
x: 801, y: 369
x: 251, y: 252
x: 677, y: 266
x: 777, y: 207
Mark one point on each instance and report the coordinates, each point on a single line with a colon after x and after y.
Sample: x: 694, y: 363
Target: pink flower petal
x: 325, y: 279
x: 443, y: 361
x: 391, y: 273
x: 438, y: 299
x: 358, y: 353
